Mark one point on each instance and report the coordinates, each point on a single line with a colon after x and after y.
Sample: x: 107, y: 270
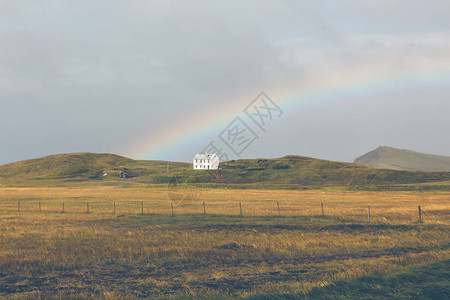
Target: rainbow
x: 294, y: 97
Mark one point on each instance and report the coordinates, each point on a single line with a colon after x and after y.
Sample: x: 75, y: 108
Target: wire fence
x: 368, y: 213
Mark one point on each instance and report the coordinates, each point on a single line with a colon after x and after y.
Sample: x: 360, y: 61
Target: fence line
x: 161, y: 209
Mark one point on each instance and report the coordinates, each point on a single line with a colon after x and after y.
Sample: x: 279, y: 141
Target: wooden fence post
x: 368, y: 213
x: 18, y: 206
x: 114, y: 212
x: 278, y: 208
x: 40, y: 206
x: 63, y: 207
x: 240, y: 209
x: 204, y: 208
x: 420, y: 215
x: 171, y: 206
x: 323, y: 214
x: 142, y: 207
x: 87, y: 207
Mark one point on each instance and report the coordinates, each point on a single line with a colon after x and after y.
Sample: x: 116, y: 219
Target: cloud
x: 136, y: 67
x: 417, y: 15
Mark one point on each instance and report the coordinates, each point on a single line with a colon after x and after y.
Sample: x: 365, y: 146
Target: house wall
x: 206, y: 164
x: 214, y: 163
x: 202, y: 164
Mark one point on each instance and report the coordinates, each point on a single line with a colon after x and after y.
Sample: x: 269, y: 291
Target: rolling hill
x: 80, y: 167
x: 399, y: 159
x: 290, y: 171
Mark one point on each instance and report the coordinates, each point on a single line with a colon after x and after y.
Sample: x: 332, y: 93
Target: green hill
x: 305, y: 172
x: 80, y: 167
x: 399, y: 159
x: 286, y: 172
x: 71, y: 165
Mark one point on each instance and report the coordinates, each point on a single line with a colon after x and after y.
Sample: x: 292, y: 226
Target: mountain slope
x: 398, y: 159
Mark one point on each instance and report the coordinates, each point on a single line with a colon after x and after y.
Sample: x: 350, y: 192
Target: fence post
x: 40, y: 206
x: 278, y: 208
x: 142, y: 207
x: 368, y: 213
x: 114, y: 212
x: 204, y: 208
x: 171, y: 206
x: 420, y: 215
x: 87, y: 207
x: 63, y: 207
x: 240, y: 209
x: 323, y: 214
x: 18, y: 206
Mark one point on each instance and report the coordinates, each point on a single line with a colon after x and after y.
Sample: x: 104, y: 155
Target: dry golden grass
x: 126, y: 254
x: 384, y: 206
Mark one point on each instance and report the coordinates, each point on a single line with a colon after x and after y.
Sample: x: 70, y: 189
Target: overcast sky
x: 114, y: 76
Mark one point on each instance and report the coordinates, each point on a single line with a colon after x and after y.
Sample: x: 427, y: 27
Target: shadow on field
x: 431, y: 281
x: 258, y: 223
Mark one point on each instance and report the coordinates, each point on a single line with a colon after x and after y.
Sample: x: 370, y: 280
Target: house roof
x: 204, y: 156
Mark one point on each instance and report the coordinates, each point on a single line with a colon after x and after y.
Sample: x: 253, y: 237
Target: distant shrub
x: 235, y: 246
x: 75, y: 171
x: 232, y: 166
x: 202, y: 179
x: 280, y: 166
x: 161, y: 179
x: 371, y: 176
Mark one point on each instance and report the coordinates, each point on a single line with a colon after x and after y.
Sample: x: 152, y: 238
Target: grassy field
x: 299, y: 254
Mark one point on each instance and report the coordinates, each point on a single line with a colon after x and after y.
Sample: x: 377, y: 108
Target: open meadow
x: 117, y: 242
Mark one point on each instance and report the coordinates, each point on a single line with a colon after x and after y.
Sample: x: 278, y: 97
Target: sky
x: 164, y: 79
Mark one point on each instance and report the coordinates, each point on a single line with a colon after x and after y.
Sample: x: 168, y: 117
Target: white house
x: 205, y: 161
